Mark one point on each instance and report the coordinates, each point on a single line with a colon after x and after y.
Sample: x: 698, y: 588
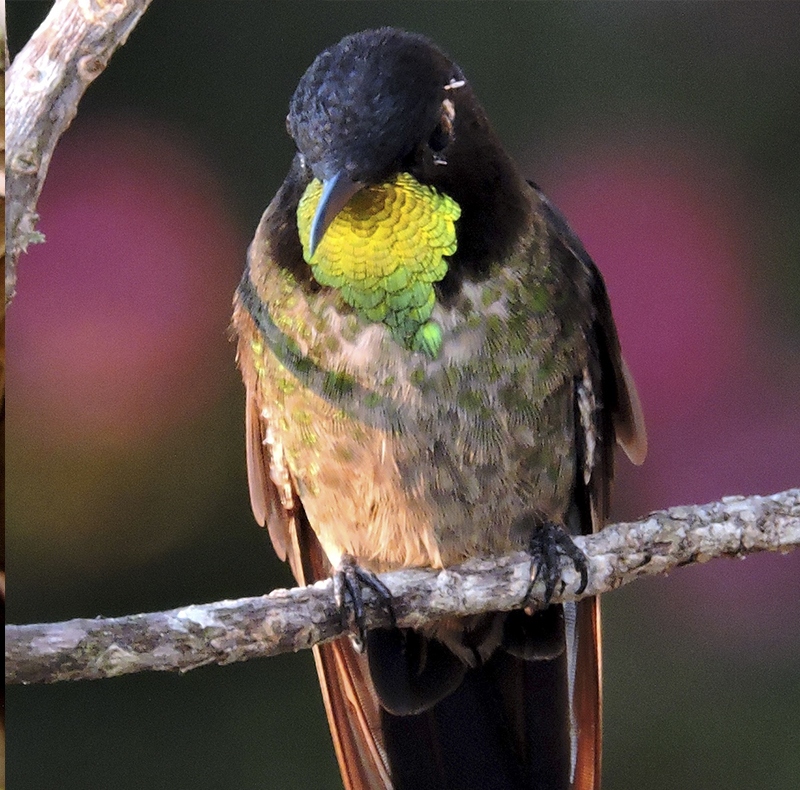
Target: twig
x: 43, y: 87
x: 290, y: 620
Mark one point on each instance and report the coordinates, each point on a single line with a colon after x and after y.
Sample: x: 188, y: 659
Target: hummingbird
x: 432, y: 374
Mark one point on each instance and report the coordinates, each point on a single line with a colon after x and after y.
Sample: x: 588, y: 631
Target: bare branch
x: 43, y: 87
x: 291, y: 620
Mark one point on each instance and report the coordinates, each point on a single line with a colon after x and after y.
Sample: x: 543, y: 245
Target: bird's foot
x: 548, y: 544
x: 349, y: 581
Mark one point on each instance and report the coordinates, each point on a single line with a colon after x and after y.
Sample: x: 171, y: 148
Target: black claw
x: 349, y: 582
x: 548, y: 544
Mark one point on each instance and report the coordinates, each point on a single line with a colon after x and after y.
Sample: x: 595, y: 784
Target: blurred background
x: 670, y: 137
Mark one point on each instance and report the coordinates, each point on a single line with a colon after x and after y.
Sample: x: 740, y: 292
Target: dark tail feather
x: 466, y: 741
x: 508, y: 725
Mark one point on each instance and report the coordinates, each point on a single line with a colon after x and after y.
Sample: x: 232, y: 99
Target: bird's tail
x: 515, y: 721
x: 527, y: 717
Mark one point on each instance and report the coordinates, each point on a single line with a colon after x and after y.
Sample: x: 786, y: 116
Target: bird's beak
x: 336, y: 192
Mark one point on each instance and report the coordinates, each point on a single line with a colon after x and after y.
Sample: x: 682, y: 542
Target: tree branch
x: 43, y: 87
x: 291, y: 620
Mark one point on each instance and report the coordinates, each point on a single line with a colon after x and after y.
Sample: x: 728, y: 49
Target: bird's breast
x: 404, y: 460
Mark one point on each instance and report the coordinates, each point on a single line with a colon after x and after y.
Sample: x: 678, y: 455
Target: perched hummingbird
x: 433, y: 374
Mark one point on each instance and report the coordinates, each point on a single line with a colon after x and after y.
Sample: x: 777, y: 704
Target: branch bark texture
x: 291, y: 620
x: 43, y: 87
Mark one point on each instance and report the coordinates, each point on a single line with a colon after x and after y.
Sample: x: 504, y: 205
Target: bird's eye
x: 439, y: 139
x: 444, y: 129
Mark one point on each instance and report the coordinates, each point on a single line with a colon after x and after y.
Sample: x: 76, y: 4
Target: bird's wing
x: 621, y: 400
x: 607, y: 410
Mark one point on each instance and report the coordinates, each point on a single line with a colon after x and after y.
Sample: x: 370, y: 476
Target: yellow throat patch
x: 384, y: 251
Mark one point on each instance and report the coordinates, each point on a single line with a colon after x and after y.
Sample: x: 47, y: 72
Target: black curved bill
x: 336, y: 193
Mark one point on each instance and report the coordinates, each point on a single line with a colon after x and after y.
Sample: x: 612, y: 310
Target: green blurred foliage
x: 679, y: 711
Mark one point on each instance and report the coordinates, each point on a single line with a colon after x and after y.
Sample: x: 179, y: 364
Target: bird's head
x: 369, y: 102
x: 376, y: 104
x: 396, y: 149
